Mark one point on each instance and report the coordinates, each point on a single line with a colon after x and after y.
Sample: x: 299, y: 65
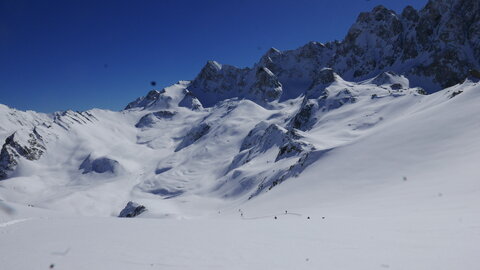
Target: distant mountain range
x: 434, y: 48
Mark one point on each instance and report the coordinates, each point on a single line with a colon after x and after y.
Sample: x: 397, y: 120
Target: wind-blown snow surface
x: 388, y: 177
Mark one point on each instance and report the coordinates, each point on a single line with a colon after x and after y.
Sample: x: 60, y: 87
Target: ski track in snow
x: 13, y: 222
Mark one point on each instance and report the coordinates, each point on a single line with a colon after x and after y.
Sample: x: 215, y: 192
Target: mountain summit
x: 434, y: 48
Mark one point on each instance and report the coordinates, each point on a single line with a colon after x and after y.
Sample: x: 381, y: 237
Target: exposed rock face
x: 305, y: 160
x: 190, y: 101
x: 98, y: 165
x: 262, y: 138
x: 132, y: 209
x: 150, y: 99
x: 66, y: 119
x: 321, y: 81
x: 266, y: 86
x: 217, y: 82
x: 325, y: 76
x: 475, y: 73
x: 303, y: 120
x: 193, y: 135
x: 149, y: 119
x: 20, y: 145
x: 433, y: 43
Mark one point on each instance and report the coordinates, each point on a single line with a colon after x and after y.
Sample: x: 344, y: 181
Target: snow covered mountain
x: 435, y: 48
x: 381, y: 125
x: 167, y: 145
x: 234, y: 132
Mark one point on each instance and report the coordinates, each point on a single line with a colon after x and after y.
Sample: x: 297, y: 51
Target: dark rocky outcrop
x: 193, y: 135
x: 149, y: 119
x: 217, y: 82
x: 475, y: 73
x: 153, y: 97
x: 190, y: 101
x: 66, y: 119
x: 266, y: 87
x: 262, y: 138
x: 305, y: 118
x: 98, y: 165
x: 21, y: 144
x: 132, y: 209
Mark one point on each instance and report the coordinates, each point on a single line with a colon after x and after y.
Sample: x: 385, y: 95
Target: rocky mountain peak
x: 151, y: 97
x: 432, y: 48
x: 210, y: 71
x: 268, y: 59
x: 409, y: 13
x: 213, y: 66
x: 439, y: 6
x: 378, y: 13
x: 272, y: 52
x: 379, y: 23
x: 311, y: 49
x: 267, y: 85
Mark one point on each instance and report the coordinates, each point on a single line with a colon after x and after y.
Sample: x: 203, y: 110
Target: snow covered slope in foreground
x: 389, y: 179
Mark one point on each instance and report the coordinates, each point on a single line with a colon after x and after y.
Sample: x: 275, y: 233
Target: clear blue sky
x: 68, y: 54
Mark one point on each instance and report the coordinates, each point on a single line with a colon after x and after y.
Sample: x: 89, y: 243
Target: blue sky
x: 58, y: 55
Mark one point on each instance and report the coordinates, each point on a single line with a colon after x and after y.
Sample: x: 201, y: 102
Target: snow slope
x: 398, y: 188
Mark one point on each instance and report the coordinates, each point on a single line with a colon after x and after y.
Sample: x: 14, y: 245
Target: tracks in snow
x: 13, y: 222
